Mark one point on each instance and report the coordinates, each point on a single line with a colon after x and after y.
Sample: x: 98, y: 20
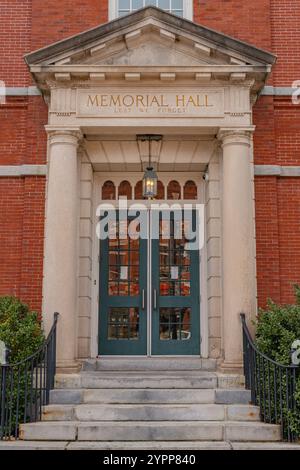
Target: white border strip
x: 23, y: 170
x: 277, y: 170
x: 278, y: 91
x: 23, y: 91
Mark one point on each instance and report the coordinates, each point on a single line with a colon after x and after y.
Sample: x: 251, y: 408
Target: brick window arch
x: 174, y: 190
x: 190, y: 190
x: 125, y: 189
x: 138, y: 190
x: 108, y: 190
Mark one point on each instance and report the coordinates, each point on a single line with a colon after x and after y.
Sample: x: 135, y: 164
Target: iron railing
x: 25, y: 387
x: 273, y: 386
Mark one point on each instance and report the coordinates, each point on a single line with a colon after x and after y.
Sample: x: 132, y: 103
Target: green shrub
x: 20, y: 329
x: 277, y: 327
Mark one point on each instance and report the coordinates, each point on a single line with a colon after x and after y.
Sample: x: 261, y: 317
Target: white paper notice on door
x: 174, y: 272
x: 124, y: 273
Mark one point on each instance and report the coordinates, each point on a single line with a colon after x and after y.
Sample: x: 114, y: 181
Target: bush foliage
x: 277, y: 327
x: 20, y: 329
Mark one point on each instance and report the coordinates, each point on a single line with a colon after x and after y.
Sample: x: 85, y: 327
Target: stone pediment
x: 148, y: 38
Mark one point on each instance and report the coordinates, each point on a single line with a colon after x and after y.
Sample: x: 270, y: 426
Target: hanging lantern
x: 150, y: 183
x: 149, y: 148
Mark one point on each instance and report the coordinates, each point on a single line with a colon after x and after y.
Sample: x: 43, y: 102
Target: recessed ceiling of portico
x: 177, y: 153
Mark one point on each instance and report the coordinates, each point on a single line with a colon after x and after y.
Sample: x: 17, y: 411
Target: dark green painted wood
x: 176, y: 347
x: 122, y: 346
x: 139, y: 347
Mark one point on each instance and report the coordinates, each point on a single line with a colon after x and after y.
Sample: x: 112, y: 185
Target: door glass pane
x: 123, y: 323
x: 175, y: 324
x: 123, y: 261
x: 174, y: 259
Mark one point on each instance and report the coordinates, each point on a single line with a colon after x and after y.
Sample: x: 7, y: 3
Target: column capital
x: 57, y: 135
x: 231, y: 136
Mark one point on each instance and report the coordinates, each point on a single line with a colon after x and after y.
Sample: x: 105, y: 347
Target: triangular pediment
x: 150, y: 37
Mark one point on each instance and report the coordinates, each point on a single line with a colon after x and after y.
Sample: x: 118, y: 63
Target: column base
x: 228, y: 367
x: 68, y: 367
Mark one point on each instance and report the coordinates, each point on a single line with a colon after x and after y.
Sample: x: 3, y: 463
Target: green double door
x: 149, y: 299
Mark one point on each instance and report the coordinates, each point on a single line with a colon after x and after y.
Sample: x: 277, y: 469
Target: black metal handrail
x: 272, y: 385
x: 25, y: 387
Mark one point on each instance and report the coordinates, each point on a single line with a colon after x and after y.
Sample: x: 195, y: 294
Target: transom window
x: 182, y: 8
x: 173, y: 6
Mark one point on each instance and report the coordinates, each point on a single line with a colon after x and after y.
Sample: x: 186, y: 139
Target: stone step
x: 149, y: 363
x: 146, y: 445
x: 232, y: 396
x: 150, y: 445
x: 137, y: 395
x: 134, y: 413
x: 98, y: 380
x: 263, y: 446
x: 150, y: 431
x: 168, y: 396
x: 157, y: 412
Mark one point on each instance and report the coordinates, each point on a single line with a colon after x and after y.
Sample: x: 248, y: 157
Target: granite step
x: 143, y: 395
x: 96, y: 380
x: 153, y: 412
x: 146, y: 445
x: 150, y: 364
x: 150, y: 431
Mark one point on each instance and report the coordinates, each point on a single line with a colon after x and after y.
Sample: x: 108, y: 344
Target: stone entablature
x: 97, y: 106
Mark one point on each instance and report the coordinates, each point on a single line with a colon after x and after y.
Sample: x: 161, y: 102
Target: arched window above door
x: 174, y: 190
x: 108, y: 191
x: 125, y: 190
x: 190, y: 190
x: 138, y: 190
x: 133, y: 189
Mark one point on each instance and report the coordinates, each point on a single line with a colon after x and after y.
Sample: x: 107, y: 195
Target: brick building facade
x: 28, y: 25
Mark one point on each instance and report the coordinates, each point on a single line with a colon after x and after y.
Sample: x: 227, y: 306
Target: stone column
x: 238, y: 242
x: 61, y: 242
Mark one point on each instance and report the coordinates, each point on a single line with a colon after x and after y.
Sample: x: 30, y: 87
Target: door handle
x: 155, y: 299
x: 143, y: 299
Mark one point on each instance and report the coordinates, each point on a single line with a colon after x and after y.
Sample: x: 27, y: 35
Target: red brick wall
x: 15, y: 26
x: 32, y: 241
x: 59, y: 19
x: 285, y: 26
x: 275, y: 26
x: 26, y: 25
x: 246, y: 20
x: 11, y: 222
x: 288, y: 196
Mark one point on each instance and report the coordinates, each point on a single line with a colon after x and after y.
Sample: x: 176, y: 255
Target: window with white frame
x: 182, y: 8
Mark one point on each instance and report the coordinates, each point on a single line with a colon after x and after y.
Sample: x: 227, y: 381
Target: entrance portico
x: 150, y: 72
